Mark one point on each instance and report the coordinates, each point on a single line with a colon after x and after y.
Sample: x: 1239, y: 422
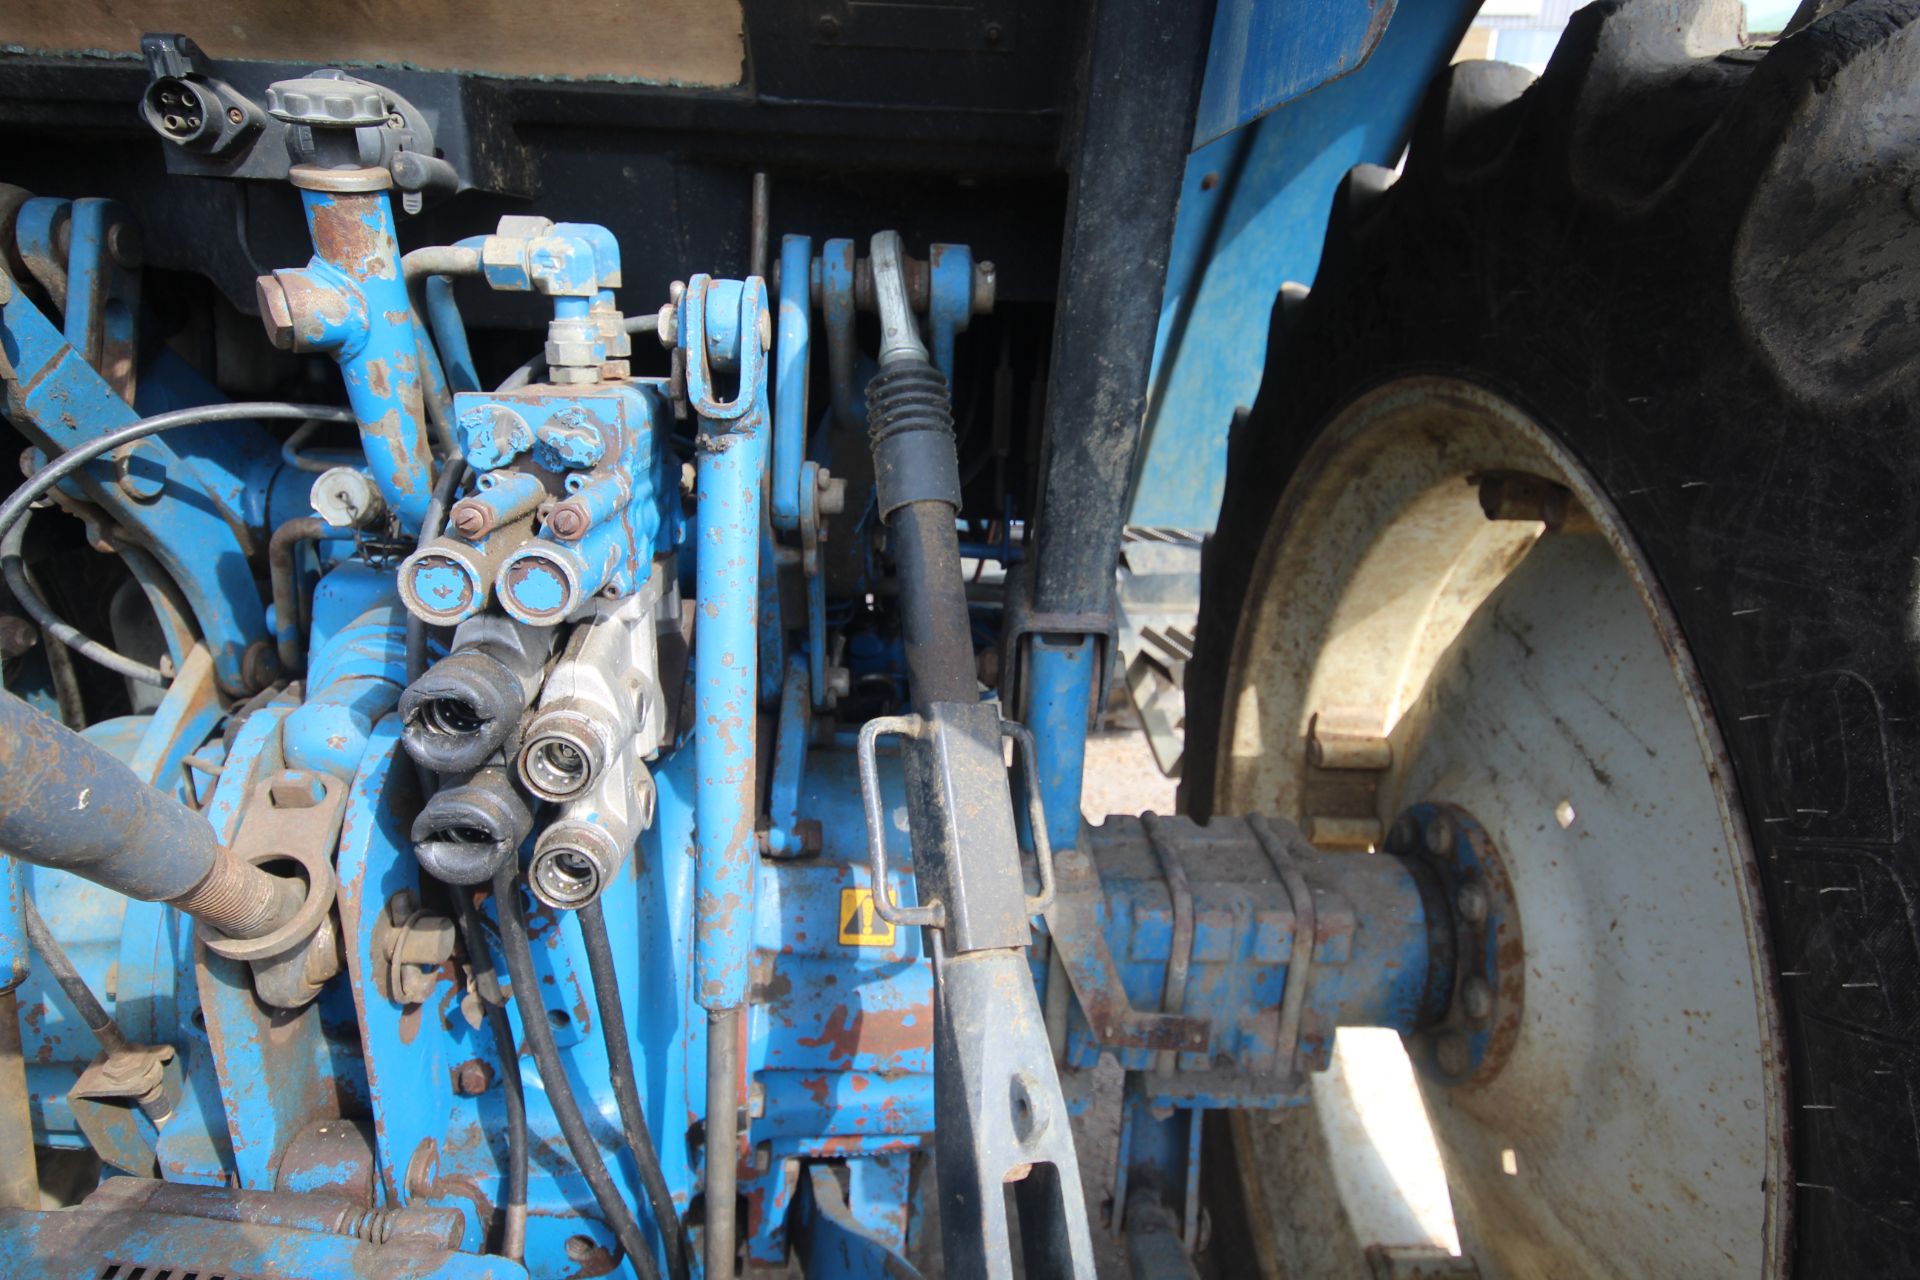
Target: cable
x: 513, y: 1239
x: 72, y: 460
x: 546, y: 1055
x: 290, y: 451
x: 37, y: 608
x: 626, y: 1089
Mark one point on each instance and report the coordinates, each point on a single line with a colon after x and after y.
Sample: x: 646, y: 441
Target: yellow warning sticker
x: 860, y: 924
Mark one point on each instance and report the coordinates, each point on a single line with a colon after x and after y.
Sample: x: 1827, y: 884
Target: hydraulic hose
x: 513, y: 1239
x: 66, y: 633
x: 518, y: 950
x: 626, y: 1088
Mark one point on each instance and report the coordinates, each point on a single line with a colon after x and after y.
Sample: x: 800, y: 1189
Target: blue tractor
x: 563, y: 568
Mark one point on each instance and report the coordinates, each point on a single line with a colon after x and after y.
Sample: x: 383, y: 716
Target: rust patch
x: 883, y: 1033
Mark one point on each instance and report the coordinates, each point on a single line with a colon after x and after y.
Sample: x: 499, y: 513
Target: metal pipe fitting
x: 450, y: 580
x: 546, y: 582
x: 581, y: 851
x: 598, y: 702
x: 289, y: 636
x: 68, y: 804
x: 469, y: 830
x: 465, y: 708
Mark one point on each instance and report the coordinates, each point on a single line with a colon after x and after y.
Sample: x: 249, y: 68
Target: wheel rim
x: 1539, y: 681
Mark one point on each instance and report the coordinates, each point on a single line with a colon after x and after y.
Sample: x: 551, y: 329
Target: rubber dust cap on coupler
x: 468, y: 831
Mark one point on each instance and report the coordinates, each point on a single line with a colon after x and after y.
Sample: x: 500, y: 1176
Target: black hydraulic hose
x: 518, y: 950
x: 513, y: 1240
x: 15, y: 569
x: 58, y: 469
x: 626, y: 1086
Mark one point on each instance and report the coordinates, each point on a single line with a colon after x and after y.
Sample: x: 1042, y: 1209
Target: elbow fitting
x: 466, y: 707
x: 469, y: 830
x: 580, y: 853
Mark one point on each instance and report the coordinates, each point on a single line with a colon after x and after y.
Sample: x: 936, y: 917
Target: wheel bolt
x: 1476, y: 997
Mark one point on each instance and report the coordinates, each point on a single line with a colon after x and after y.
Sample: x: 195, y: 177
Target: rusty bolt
x: 427, y: 942
x: 294, y: 790
x: 1441, y: 834
x: 236, y: 115
x: 1450, y: 1051
x: 424, y: 1167
x: 276, y: 312
x: 567, y: 522
x: 1471, y: 903
x: 472, y: 1078
x: 471, y: 519
x: 1476, y: 997
x: 828, y: 26
x: 667, y: 326
x: 833, y: 493
x: 123, y: 242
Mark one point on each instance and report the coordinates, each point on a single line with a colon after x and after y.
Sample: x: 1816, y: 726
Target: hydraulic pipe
x: 352, y: 302
x: 68, y: 804
x: 281, y: 571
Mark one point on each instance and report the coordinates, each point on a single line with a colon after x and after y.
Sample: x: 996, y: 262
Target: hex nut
x: 276, y: 311
x: 1476, y: 998
x: 472, y: 1078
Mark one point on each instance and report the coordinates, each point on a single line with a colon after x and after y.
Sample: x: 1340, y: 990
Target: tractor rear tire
x: 1697, y: 266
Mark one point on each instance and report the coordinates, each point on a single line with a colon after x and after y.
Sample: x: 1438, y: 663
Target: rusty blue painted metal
x: 351, y: 303
x: 59, y: 401
x: 732, y: 456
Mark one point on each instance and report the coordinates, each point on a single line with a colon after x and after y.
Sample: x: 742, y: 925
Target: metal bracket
x: 293, y: 815
x: 1022, y: 622
x: 933, y: 914
x: 1074, y: 921
x: 121, y: 1081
